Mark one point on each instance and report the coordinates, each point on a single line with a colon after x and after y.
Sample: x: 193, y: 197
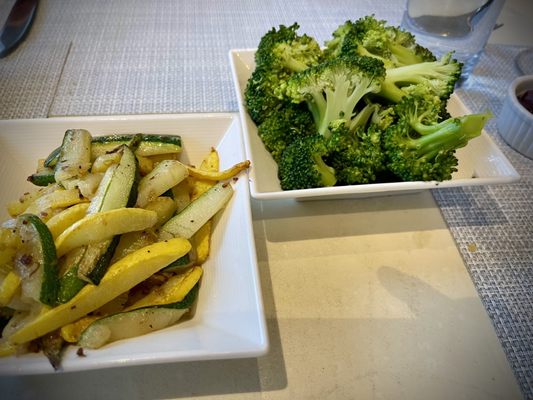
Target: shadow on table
x: 287, y: 220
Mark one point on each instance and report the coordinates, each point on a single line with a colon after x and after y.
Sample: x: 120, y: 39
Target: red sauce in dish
x: 526, y: 99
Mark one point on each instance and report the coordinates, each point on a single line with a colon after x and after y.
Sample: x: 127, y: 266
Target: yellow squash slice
x: 121, y: 276
x: 58, y: 223
x: 98, y: 227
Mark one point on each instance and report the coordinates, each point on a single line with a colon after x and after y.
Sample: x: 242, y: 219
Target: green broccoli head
x: 281, y: 52
x: 383, y: 116
x: 392, y: 45
x: 433, y: 78
x: 285, y: 49
x: 261, y: 94
x: 302, y: 166
x: 356, y: 156
x: 334, y: 45
x: 419, y: 146
x: 333, y: 89
x: 281, y: 128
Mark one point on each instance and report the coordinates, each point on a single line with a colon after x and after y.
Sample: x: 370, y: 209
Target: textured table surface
x: 138, y: 57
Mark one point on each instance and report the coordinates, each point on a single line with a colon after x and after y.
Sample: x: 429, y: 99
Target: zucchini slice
x: 149, y: 145
x: 135, y: 323
x: 163, y: 177
x: 51, y: 160
x: 75, y: 156
x: 118, y: 187
x: 36, y: 262
x: 42, y: 178
x: 196, y: 214
x: 89, y: 266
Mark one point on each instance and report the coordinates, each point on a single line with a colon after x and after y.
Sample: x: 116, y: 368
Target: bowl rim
x: 513, y: 94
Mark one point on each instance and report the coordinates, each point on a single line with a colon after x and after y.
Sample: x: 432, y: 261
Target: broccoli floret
x: 356, y: 155
x: 281, y: 52
x: 281, y: 128
x: 333, y: 89
x: 374, y: 38
x: 334, y: 46
x: 419, y: 147
x: 285, y: 48
x: 436, y: 78
x: 260, y: 94
x: 383, y: 117
x: 302, y: 166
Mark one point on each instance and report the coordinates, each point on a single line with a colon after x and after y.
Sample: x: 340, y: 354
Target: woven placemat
x: 493, y: 225
x: 172, y: 57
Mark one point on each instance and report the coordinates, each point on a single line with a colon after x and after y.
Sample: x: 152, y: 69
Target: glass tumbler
x: 461, y: 26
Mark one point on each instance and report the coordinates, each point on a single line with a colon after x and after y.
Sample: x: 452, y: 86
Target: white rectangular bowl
x: 481, y: 162
x: 229, y: 321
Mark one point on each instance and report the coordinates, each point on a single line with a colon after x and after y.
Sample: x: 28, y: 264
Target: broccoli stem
x: 404, y: 55
x: 414, y: 74
x: 327, y: 173
x: 317, y: 105
x: 339, y: 103
x: 447, y: 135
x: 362, y: 118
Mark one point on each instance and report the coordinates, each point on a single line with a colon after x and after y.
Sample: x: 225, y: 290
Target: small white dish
x: 229, y: 321
x: 481, y: 162
x: 515, y: 122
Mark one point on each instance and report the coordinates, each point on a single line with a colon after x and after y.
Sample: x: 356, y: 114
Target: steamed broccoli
x: 356, y: 155
x: 420, y: 147
x: 280, y: 53
x: 371, y: 37
x: 281, y: 128
x: 370, y: 107
x: 301, y: 165
x: 334, y: 46
x: 434, y: 78
x: 259, y: 94
x: 284, y: 48
x: 333, y: 89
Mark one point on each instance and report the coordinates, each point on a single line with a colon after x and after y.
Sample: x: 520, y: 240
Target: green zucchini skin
x: 185, y: 261
x: 42, y: 178
x: 69, y: 285
x: 51, y: 160
x: 147, y: 144
x: 187, y: 302
x: 99, y: 270
x: 50, y: 279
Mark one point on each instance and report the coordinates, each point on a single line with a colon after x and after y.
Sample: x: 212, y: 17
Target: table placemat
x: 493, y: 225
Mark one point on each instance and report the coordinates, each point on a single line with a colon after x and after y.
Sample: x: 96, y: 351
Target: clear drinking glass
x: 461, y: 26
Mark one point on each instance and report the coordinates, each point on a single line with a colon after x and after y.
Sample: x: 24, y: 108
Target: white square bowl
x: 481, y: 162
x: 229, y: 320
